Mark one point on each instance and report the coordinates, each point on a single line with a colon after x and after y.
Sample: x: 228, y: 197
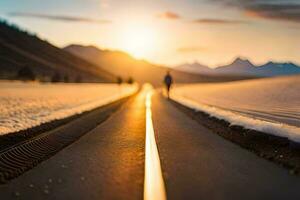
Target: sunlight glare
x: 139, y: 40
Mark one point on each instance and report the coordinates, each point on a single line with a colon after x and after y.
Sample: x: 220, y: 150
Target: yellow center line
x: 154, y: 187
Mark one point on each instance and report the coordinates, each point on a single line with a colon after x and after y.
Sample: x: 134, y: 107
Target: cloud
x: 284, y: 10
x: 174, y: 16
x: 191, y: 49
x: 169, y: 15
x: 59, y: 17
x: 218, y: 21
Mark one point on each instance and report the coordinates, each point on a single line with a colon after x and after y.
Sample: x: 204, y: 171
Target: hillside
x: 244, y: 67
x: 122, y: 64
x: 19, y: 49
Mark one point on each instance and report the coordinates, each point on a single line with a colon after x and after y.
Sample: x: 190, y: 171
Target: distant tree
x: 78, y: 79
x: 26, y: 74
x: 66, y: 78
x: 16, y: 27
x: 4, y: 22
x: 56, y: 77
x: 119, y: 80
x: 130, y: 80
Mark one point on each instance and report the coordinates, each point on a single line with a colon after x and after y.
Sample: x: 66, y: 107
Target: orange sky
x: 165, y: 31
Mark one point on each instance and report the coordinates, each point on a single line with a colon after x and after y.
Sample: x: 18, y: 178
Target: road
x: 109, y: 162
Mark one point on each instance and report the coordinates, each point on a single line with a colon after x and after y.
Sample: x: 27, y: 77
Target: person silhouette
x: 168, y: 82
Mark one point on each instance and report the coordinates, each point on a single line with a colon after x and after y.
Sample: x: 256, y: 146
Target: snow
x: 267, y: 105
x: 26, y: 105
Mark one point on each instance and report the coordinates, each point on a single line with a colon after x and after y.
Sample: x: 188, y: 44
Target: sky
x: 169, y: 32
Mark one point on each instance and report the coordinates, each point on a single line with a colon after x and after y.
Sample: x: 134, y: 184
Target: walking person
x: 168, y: 82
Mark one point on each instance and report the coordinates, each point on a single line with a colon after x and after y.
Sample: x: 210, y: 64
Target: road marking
x: 154, y: 187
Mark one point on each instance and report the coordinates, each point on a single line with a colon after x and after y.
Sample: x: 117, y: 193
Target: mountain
x: 277, y: 69
x: 25, y: 53
x: 238, y: 67
x: 243, y: 67
x: 122, y: 64
x: 195, y: 68
x: 116, y: 62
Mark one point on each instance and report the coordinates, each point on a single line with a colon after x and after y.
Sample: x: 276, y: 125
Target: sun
x: 139, y: 40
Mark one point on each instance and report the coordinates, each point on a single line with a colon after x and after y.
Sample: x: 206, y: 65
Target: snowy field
x: 26, y: 105
x: 268, y: 105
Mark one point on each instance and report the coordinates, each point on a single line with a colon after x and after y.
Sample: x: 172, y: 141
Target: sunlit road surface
x: 121, y: 159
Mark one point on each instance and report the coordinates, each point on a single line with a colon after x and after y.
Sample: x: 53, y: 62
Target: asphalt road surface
x: 194, y: 163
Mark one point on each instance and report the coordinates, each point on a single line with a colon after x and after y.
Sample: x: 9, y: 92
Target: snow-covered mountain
x: 244, y: 67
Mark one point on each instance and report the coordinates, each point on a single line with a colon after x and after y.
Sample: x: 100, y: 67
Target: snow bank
x: 24, y: 105
x: 277, y: 129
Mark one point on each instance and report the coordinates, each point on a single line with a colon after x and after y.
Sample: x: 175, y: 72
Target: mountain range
x: 243, y: 67
x: 123, y: 65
